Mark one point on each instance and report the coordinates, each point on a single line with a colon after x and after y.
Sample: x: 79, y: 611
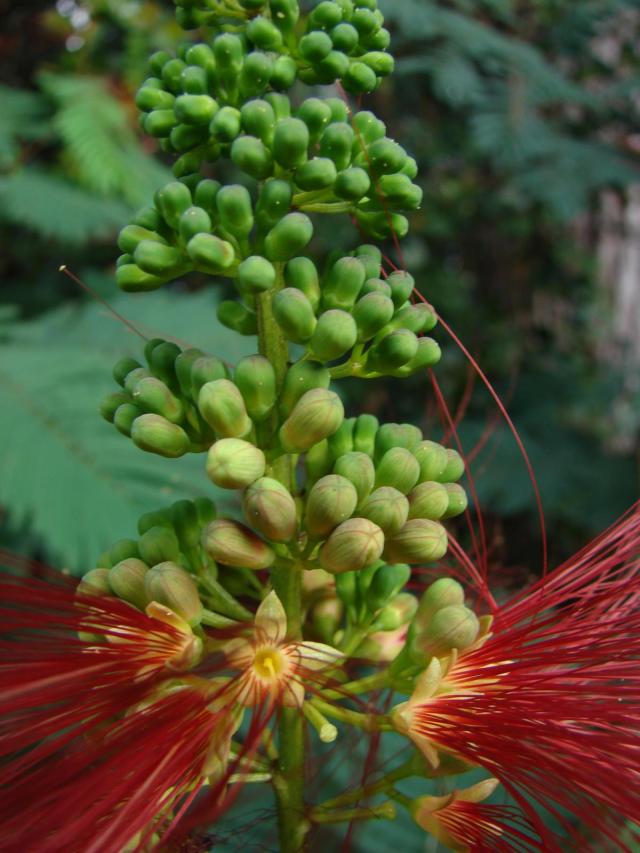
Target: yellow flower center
x: 268, y: 663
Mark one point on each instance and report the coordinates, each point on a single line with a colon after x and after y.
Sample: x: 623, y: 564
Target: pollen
x: 268, y: 663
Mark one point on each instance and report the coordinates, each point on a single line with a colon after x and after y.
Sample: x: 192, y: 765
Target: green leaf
x: 71, y: 476
x: 22, y: 118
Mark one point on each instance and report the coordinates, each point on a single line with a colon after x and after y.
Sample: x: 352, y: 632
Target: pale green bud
x: 388, y: 508
x: 170, y: 585
x: 271, y: 509
x: 428, y: 500
x: 453, y: 627
x: 358, y: 468
x: 443, y: 592
x: 330, y: 502
x: 432, y: 459
x: 457, y: 501
x: 316, y: 416
x: 222, y: 406
x: 233, y: 463
x: 126, y: 580
x: 233, y: 544
x: 398, y: 468
x: 419, y: 541
x: 354, y: 544
x: 95, y: 582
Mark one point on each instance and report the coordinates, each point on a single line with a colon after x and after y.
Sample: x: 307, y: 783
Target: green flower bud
x: 432, y: 459
x: 316, y: 114
x: 111, y: 403
x: 274, y: 201
x: 457, y: 500
x: 443, y: 592
x: 94, y: 582
x: 255, y: 74
x: 302, y: 274
x: 270, y: 508
x: 259, y: 119
x: 337, y: 143
x: 392, y: 351
x: 353, y: 545
x: 288, y: 237
x: 359, y: 78
x: 126, y: 580
x: 152, y: 395
x: 184, y: 138
x: 365, y: 20
x: 334, y: 65
x: 375, y: 285
x: 221, y: 405
x: 419, y: 541
x: 235, y: 316
x: 396, y: 435
x: 400, y: 191
x: 225, y: 125
x: 386, y: 583
x: 452, y: 627
x: 325, y: 15
x: 300, y: 378
x: 352, y: 184
x: 294, y: 314
x: 205, y: 194
x: 330, y: 502
x: 158, y: 435
x: 454, y: 469
x: 232, y: 544
x: 342, y: 440
x: 377, y: 41
x: 195, y: 109
x: 256, y: 274
x: 344, y: 37
x: 130, y: 278
x: 284, y: 73
x: 315, y: 46
x: 398, y: 468
x: 252, y: 156
x: 326, y: 616
x: 158, y: 518
x: 206, y: 510
x: 357, y: 468
x: 172, y: 201
x: 428, y: 500
x: 379, y: 62
x: 131, y: 236
x: 335, y: 334
x: 159, y: 123
x: 264, y: 34
x: 382, y: 224
x: 228, y: 51
x: 364, y: 434
x: 371, y: 313
x: 184, y: 516
x: 316, y: 415
x: 158, y: 544
x: 402, y: 285
x: 235, y: 209
x: 316, y: 174
x: 172, y: 72
x: 285, y: 14
x: 386, y: 507
x: 149, y: 98
x: 194, y: 78
x: 206, y: 368
x: 343, y: 283
x: 170, y: 585
x: 290, y: 143
x: 317, y: 462
x: 233, y: 463
x: 398, y: 612
x: 256, y: 379
x: 417, y: 318
x: 210, y: 252
x: 427, y: 355
x: 133, y: 377
x: 158, y: 60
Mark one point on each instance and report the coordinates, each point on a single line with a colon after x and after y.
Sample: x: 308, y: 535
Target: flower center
x: 268, y: 663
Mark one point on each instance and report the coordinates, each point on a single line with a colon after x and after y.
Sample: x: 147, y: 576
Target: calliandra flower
x: 462, y: 822
x: 127, y: 785
x: 550, y: 702
x: 272, y: 667
x: 69, y: 661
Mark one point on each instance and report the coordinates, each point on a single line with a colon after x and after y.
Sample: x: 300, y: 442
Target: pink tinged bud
x: 383, y: 646
x: 316, y: 416
x: 171, y: 586
x: 419, y: 541
x: 232, y: 544
x: 126, y: 580
x: 353, y: 545
x: 270, y: 508
x: 233, y: 463
x: 331, y: 501
x: 388, y: 508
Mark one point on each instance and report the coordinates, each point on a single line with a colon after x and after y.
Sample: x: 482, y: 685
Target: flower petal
x: 315, y: 655
x: 271, y: 619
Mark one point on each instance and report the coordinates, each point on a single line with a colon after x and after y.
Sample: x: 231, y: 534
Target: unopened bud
x: 453, y: 627
x: 221, y: 405
x: 419, y: 541
x: 386, y: 583
x: 330, y: 502
x: 170, y: 585
x: 233, y: 463
x: 454, y: 469
x: 457, y: 500
x: 316, y: 415
x: 428, y: 500
x: 358, y: 468
x: 388, y: 508
x: 443, y: 592
x: 432, y: 459
x: 271, y: 509
x: 158, y: 545
x: 233, y: 544
x: 398, y: 612
x: 398, y: 468
x: 126, y: 580
x: 157, y: 435
x: 354, y: 544
x: 95, y: 582
x: 326, y: 616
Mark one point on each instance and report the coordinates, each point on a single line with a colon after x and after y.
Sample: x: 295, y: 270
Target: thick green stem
x: 287, y: 582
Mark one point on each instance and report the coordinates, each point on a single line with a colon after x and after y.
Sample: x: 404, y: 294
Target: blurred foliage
x: 519, y: 112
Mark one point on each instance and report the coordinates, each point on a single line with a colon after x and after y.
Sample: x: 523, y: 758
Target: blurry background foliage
x: 523, y: 115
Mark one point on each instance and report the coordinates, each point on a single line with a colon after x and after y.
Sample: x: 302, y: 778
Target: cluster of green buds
x: 331, y: 512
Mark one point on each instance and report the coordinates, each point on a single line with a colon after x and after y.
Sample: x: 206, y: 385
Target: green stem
x: 385, y: 811
x: 288, y: 780
x: 362, y: 685
x: 364, y: 791
x: 368, y: 722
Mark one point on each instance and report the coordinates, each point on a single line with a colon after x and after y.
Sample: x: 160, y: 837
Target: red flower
x: 550, y: 702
